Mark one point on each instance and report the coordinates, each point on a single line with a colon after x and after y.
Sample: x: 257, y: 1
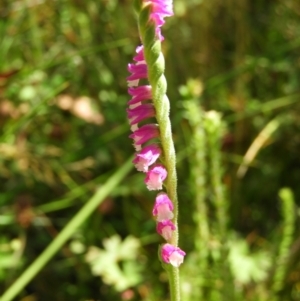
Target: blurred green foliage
x: 64, y: 130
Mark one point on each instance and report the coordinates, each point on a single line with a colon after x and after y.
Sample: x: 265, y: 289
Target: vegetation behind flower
x: 64, y: 133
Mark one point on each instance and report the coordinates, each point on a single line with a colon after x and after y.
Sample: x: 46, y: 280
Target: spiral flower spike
x: 151, y: 102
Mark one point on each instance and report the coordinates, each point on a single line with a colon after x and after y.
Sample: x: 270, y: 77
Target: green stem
x: 214, y: 128
x: 198, y: 167
x: 156, y: 65
x: 173, y: 276
x: 67, y: 232
x: 289, y: 218
x: 161, y: 103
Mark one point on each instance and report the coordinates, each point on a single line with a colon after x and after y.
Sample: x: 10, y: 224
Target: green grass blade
x: 67, y: 232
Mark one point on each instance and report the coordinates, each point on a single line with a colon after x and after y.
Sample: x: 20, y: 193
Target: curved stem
x: 156, y: 65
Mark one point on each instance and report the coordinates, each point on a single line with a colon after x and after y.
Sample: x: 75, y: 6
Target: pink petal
x: 138, y: 71
x: 173, y: 255
x: 155, y: 177
x: 140, y: 93
x: 140, y: 113
x: 165, y: 229
x: 145, y: 133
x: 147, y: 156
x: 140, y: 54
x: 163, y: 207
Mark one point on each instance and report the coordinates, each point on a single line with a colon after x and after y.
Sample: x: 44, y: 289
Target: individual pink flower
x: 163, y: 207
x: 165, y: 229
x: 155, y: 177
x: 173, y: 255
x: 138, y: 71
x: 146, y: 157
x: 160, y: 10
x: 140, y: 54
x: 144, y: 134
x: 159, y: 22
x: 139, y: 94
x: 140, y: 113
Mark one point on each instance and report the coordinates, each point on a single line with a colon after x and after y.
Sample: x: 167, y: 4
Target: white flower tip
x: 176, y: 259
x: 134, y: 127
x: 153, y: 187
x: 142, y: 165
x: 137, y: 147
x: 134, y: 105
x: 133, y: 83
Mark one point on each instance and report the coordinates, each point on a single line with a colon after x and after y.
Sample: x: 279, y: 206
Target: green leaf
x: 117, y: 263
x: 248, y: 267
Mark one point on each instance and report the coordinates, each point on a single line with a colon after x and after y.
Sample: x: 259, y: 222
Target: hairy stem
x: 156, y: 65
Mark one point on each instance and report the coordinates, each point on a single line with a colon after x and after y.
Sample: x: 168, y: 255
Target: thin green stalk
x: 289, y: 217
x: 198, y: 166
x: 214, y: 131
x: 198, y: 172
x: 268, y: 106
x: 67, y: 232
x: 162, y: 106
x: 70, y: 198
x: 173, y: 276
x: 156, y: 65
